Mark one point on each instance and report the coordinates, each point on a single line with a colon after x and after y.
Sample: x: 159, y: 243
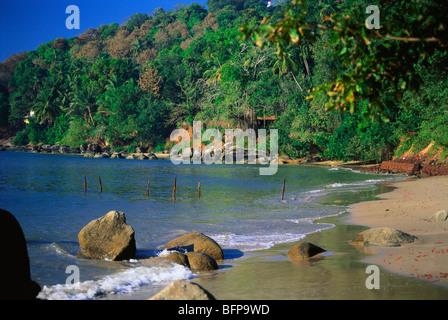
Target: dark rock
x: 15, y: 267
x: 151, y: 156
x: 94, y: 147
x: 64, y: 149
x: 83, y: 148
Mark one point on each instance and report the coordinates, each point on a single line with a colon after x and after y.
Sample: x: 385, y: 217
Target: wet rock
x: 108, y: 237
x: 200, y: 242
x: 304, y: 250
x: 178, y: 258
x: 201, y: 262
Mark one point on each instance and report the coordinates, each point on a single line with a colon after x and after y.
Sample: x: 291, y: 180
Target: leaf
x: 294, y: 36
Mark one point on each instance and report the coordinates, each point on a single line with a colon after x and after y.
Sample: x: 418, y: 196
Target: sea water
x: 237, y: 207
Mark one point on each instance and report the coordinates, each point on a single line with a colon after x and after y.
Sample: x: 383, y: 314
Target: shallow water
x: 237, y: 207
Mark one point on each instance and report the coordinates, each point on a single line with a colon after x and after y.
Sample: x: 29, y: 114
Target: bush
x: 21, y: 138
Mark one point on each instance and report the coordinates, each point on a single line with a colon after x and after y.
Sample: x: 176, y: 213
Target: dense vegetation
x: 130, y: 85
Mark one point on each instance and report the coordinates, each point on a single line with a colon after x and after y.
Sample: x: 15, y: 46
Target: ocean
x: 237, y: 207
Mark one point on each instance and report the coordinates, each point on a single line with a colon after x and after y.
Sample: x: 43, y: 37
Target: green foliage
x: 4, y: 110
x: 305, y: 60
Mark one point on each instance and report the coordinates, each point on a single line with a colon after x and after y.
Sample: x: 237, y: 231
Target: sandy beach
x: 408, y: 208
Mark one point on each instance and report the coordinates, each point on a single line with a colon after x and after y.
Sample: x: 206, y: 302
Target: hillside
x: 128, y: 86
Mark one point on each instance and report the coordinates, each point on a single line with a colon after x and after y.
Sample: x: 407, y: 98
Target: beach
x: 408, y: 208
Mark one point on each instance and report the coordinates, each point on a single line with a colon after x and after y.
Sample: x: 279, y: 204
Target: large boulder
x: 108, y: 237
x: 304, y: 250
x: 200, y: 242
x: 441, y: 215
x: 183, y: 290
x: 199, y: 261
x: 15, y: 266
x: 383, y: 237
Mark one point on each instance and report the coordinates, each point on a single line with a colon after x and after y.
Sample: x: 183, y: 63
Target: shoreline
x: 408, y: 208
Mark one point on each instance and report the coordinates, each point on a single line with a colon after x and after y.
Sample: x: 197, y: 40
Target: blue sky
x: 25, y: 24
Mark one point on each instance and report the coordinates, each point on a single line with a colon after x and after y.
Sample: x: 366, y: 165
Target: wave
x: 123, y: 282
x: 358, y: 183
x: 254, y: 242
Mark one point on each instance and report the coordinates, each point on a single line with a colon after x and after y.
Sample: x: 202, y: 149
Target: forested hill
x: 130, y: 85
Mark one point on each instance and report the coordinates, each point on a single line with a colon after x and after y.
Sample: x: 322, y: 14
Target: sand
x: 408, y: 208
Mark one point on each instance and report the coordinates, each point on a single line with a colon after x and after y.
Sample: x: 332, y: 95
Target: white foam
x: 122, y: 282
x: 255, y: 242
x: 359, y: 183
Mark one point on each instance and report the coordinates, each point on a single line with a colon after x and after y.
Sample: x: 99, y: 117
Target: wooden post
x: 174, y: 189
x: 199, y: 188
x: 283, y: 188
x: 101, y: 185
x: 85, y: 184
x: 147, y: 189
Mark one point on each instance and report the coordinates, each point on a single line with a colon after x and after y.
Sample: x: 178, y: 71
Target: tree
x: 378, y: 62
x: 150, y: 81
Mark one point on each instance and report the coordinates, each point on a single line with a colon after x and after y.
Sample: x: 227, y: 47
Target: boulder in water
x: 200, y: 242
x: 108, y: 237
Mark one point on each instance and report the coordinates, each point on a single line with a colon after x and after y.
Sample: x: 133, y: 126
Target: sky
x: 26, y: 24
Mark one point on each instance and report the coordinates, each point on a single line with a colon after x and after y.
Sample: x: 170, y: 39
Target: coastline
x: 408, y: 208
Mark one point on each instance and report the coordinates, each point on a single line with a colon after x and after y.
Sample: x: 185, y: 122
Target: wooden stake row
x: 174, y: 187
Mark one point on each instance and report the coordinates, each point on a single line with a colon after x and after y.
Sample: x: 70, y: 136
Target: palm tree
x: 84, y: 103
x: 286, y: 65
x: 47, y: 107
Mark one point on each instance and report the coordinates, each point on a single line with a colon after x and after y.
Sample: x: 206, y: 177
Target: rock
x: 142, y: 157
x: 106, y: 149
x: 201, y: 262
x: 108, y: 237
x: 15, y: 266
x: 101, y: 155
x: 64, y: 149
x: 130, y: 157
x: 151, y: 156
x: 116, y: 155
x: 178, y: 258
x: 201, y: 243
x: 75, y: 150
x: 83, y: 148
x: 141, y: 150
x: 387, y: 237
x: 304, y: 250
x: 183, y: 290
x: 94, y: 147
x: 88, y: 154
x: 441, y: 215
x: 46, y: 148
